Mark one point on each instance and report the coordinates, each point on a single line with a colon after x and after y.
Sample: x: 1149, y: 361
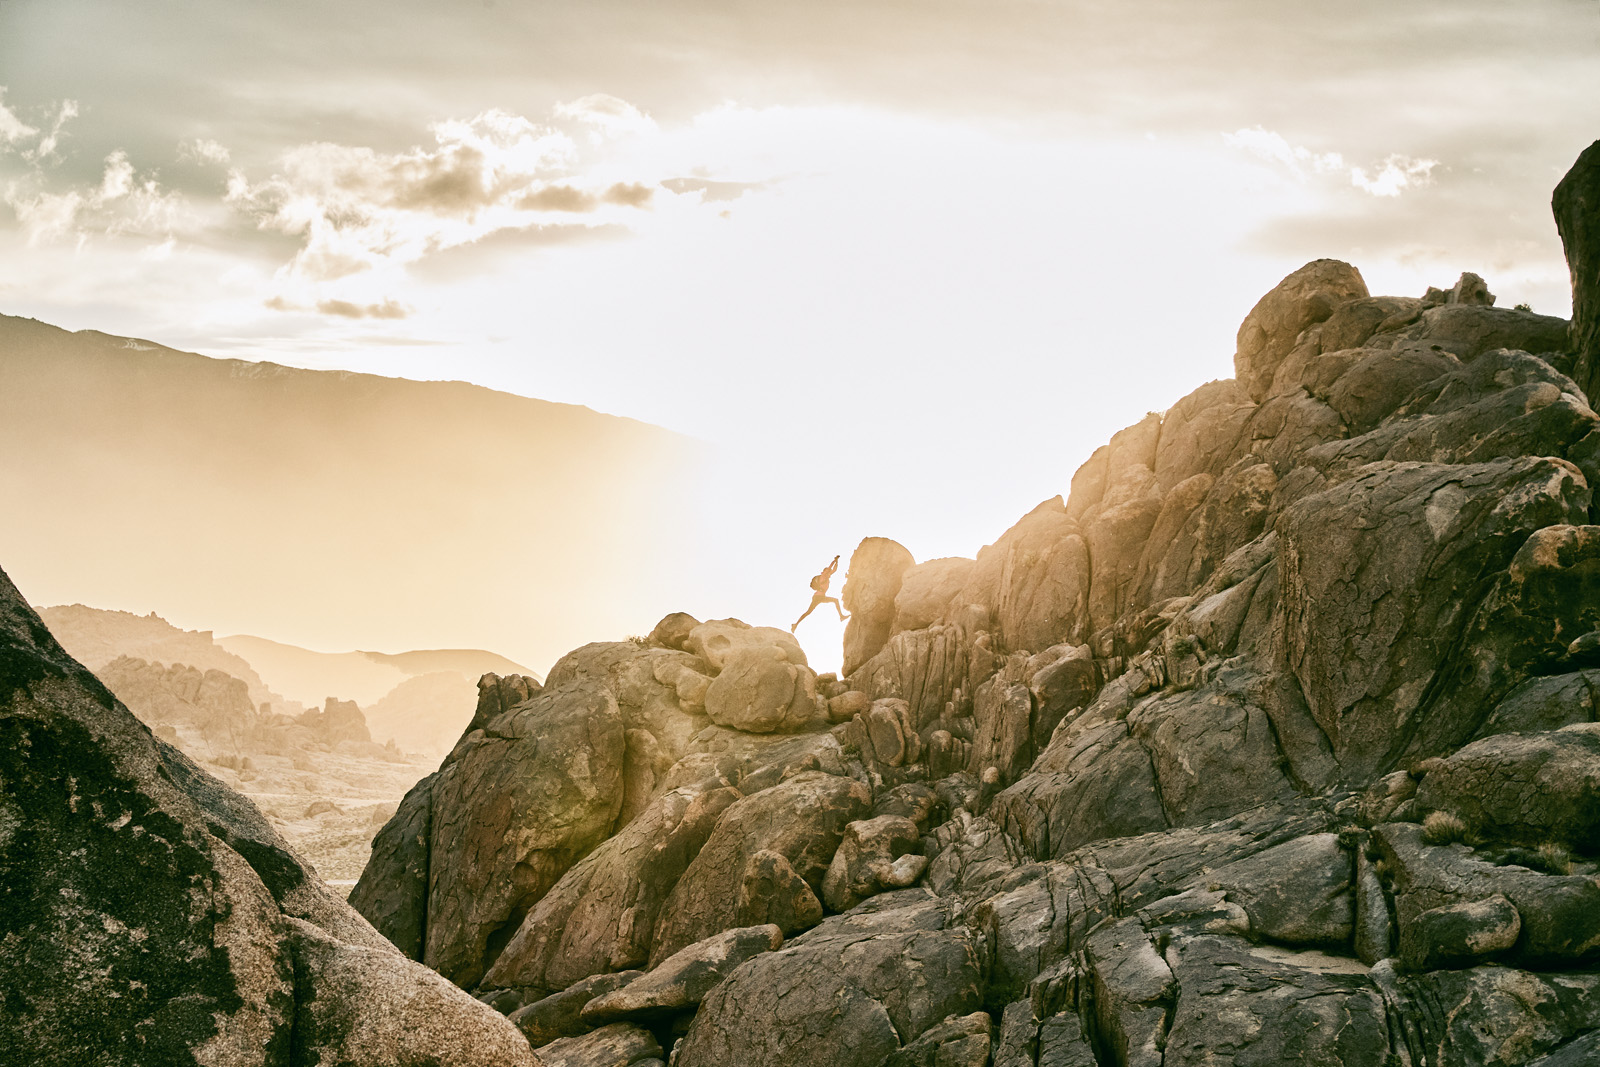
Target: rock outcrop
x: 1274, y: 741
x: 151, y: 915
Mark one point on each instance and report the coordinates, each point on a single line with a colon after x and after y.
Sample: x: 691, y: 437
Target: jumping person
x: 819, y: 594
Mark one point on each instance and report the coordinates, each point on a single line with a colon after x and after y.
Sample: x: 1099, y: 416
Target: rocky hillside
x: 340, y: 507
x: 1273, y: 742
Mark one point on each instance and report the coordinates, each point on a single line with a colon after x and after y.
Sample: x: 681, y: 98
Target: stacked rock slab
x: 149, y: 915
x: 1273, y: 742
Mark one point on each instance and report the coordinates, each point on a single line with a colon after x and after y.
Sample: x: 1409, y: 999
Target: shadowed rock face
x: 1577, y: 209
x: 152, y: 916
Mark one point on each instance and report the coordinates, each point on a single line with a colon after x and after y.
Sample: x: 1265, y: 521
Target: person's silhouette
x: 819, y: 594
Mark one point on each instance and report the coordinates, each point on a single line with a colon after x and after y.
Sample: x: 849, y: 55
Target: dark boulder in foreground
x: 149, y: 915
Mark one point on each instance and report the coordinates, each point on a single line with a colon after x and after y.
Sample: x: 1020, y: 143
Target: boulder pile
x: 1274, y: 741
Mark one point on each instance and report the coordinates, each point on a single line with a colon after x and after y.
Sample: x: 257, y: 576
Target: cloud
x: 203, y: 150
x: 15, y: 134
x: 628, y: 194
x: 360, y: 210
x: 607, y: 116
x: 389, y: 309
x: 1272, y: 146
x: 1397, y: 173
x: 122, y: 203
x: 47, y: 144
x: 710, y: 191
x: 558, y: 198
x: 13, y: 129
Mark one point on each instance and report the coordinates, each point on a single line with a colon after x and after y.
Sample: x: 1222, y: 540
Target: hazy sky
x: 910, y: 262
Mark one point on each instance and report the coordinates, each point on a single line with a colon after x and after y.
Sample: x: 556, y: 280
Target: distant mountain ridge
x: 364, y: 677
x: 340, y: 507
x: 422, y: 699
x: 96, y: 637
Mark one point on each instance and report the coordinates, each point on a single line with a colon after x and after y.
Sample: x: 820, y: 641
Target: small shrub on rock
x: 1443, y: 828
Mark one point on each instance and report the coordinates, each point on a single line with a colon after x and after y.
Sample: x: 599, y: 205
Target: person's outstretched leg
x: 802, y: 618
x: 837, y: 607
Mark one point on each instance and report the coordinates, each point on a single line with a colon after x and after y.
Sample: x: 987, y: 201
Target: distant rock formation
x: 214, y: 704
x: 339, y: 720
x: 1273, y: 742
x: 151, y: 916
x: 426, y: 713
x: 96, y: 637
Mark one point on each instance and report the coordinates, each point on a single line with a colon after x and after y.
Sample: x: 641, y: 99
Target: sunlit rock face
x: 152, y: 916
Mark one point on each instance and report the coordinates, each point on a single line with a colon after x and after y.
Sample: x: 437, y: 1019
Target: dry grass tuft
x: 1443, y: 828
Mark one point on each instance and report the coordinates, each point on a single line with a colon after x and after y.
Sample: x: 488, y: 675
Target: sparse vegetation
x: 1551, y: 857
x: 635, y: 639
x: 1350, y: 836
x: 1443, y: 828
x: 1524, y: 307
x: 1555, y: 857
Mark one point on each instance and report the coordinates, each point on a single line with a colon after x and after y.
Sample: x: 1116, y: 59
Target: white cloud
x: 606, y: 115
x: 203, y: 150
x: 46, y: 217
x: 15, y: 133
x: 122, y: 203
x: 1393, y: 175
x: 1272, y: 146
x: 118, y: 179
x: 47, y: 145
x: 12, y: 129
x: 1396, y: 173
x: 364, y: 215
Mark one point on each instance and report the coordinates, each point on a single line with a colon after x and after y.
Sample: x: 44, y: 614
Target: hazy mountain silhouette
x: 365, y: 677
x: 337, y: 509
x: 95, y: 638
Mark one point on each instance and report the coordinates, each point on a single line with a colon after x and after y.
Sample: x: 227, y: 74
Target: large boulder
x: 928, y: 590
x: 1531, y: 788
x: 392, y: 893
x: 602, y: 914
x: 152, y: 915
x: 1380, y: 573
x: 1034, y: 582
x: 801, y: 819
x: 759, y: 691
x: 877, y: 568
x: 512, y: 810
x: 839, y: 995
x: 1300, y: 892
x: 374, y: 1006
x: 718, y: 641
x: 1558, y: 914
x: 661, y: 695
x: 1237, y: 1006
x: 1304, y: 298
x: 683, y: 979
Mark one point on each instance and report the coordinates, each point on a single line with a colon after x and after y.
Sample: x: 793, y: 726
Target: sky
x: 903, y: 265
